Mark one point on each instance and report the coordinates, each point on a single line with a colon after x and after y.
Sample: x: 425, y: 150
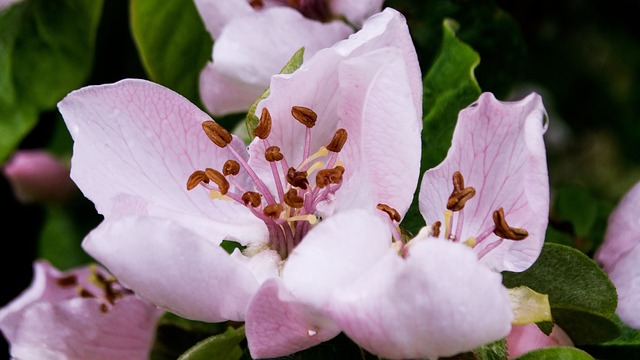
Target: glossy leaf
x: 223, y: 346
x: 554, y: 353
x: 46, y: 50
x: 172, y: 42
x: 581, y: 296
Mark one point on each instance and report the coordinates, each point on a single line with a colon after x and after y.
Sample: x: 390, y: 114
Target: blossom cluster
x: 312, y: 205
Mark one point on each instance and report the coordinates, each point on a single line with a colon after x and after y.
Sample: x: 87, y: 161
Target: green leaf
x: 60, y: 239
x: 581, y: 296
x: 555, y: 353
x: 494, y: 351
x: 175, y: 335
x: 224, y: 346
x: 626, y: 346
x: 292, y: 65
x: 449, y: 86
x: 172, y: 42
x: 46, y: 50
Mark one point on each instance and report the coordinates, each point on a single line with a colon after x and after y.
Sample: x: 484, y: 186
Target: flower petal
x: 623, y: 230
x: 499, y: 150
x: 424, y: 306
x: 140, y: 140
x: 525, y: 338
x: 356, y: 11
x: 173, y: 267
x: 252, y: 48
x: 216, y: 14
x: 625, y: 275
x: 278, y: 325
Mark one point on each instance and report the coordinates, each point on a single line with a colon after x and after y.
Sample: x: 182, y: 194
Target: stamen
x: 297, y: 178
x: 67, y: 281
x: 317, y: 165
x: 273, y: 154
x: 82, y: 292
x: 251, y: 197
x: 304, y: 115
x: 216, y: 133
x: 256, y: 4
x: 230, y: 167
x: 196, y: 178
x: 471, y: 242
x: 219, y: 179
x: 273, y: 211
x: 435, y: 229
x: 292, y: 199
x: 312, y: 219
x: 338, y: 141
x: 318, y: 154
x: 264, y: 127
x: 503, y: 229
x: 393, y: 213
x: 447, y: 224
x: 329, y: 176
x: 460, y: 194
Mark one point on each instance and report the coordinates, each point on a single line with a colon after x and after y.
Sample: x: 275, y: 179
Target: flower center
x: 454, y: 221
x: 312, y: 9
x: 105, y: 289
x: 291, y: 211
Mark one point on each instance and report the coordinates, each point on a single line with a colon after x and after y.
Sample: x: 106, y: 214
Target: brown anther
x: 230, y: 167
x: 251, y: 197
x: 273, y: 154
x: 273, y: 211
x: 304, y: 115
x: 103, y: 308
x: 67, y: 281
x: 393, y: 213
x: 460, y: 194
x: 339, y: 138
x: 219, y: 179
x: 435, y: 229
x: 292, y: 199
x: 297, y: 178
x: 329, y: 176
x: 264, y: 126
x: 503, y: 229
x: 196, y: 178
x: 216, y: 133
x: 84, y: 292
x: 256, y: 4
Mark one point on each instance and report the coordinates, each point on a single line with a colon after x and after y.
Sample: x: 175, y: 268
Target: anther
x: 84, y: 293
x: 264, y: 126
x: 251, y: 197
x: 104, y: 308
x: 503, y: 229
x: 273, y: 154
x: 304, y: 115
x: 297, y: 178
x: 292, y: 199
x: 230, y: 167
x: 329, y: 176
x: 219, y: 179
x: 67, y: 281
x: 460, y: 194
x: 196, y: 178
x: 339, y: 138
x: 435, y: 229
x: 216, y: 133
x: 273, y: 211
x: 393, y: 213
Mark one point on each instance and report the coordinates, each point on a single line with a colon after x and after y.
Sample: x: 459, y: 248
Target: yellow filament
x: 320, y: 153
x: 471, y: 242
x: 312, y: 219
x: 315, y: 166
x: 447, y: 223
x: 215, y: 194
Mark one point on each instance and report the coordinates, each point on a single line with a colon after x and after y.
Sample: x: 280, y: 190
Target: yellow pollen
x: 312, y: 219
x: 215, y: 194
x: 320, y: 153
x: 471, y: 242
x: 447, y: 223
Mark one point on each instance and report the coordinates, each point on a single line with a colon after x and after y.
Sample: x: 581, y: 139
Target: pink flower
x: 78, y: 314
x: 525, y: 338
x: 253, y: 40
x: 324, y: 149
x: 35, y: 175
x: 619, y: 255
x: 492, y: 190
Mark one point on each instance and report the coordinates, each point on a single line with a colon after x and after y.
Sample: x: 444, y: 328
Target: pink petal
x: 623, y: 230
x: 252, y: 48
x: 356, y: 11
x: 173, y: 267
x: 36, y: 175
x: 424, y: 306
x: 138, y: 140
x: 625, y: 275
x: 216, y: 13
x: 278, y: 325
x: 525, y: 338
x: 498, y: 148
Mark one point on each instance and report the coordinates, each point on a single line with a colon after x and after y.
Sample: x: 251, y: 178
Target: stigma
x: 289, y: 210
